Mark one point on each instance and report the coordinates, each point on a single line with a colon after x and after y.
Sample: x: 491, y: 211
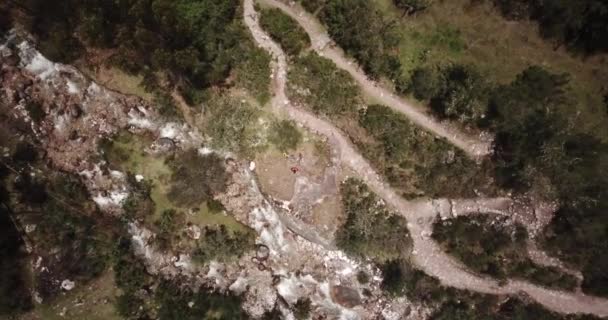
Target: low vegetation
x: 317, y: 82
x: 284, y: 30
x: 220, y: 244
x: 370, y: 229
x: 233, y: 125
x: 491, y: 245
x: 196, y: 178
x: 413, y: 160
x: 253, y: 72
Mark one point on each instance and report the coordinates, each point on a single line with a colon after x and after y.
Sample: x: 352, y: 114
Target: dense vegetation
x: 219, y: 244
x: 370, y: 229
x: 492, y: 246
x: 319, y: 84
x: 412, y: 159
x: 145, y: 297
x: 284, y: 30
x: 196, y: 43
x: 581, y: 25
x: 196, y: 178
x: 232, y: 125
x: 364, y: 33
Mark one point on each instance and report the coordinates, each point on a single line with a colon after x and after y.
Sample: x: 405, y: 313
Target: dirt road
x: 474, y: 146
x: 428, y: 256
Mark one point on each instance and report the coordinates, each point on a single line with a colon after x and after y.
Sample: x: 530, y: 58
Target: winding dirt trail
x: 475, y: 147
x: 420, y: 214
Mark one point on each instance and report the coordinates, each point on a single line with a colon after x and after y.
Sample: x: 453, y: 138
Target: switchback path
x: 428, y: 255
x: 475, y: 147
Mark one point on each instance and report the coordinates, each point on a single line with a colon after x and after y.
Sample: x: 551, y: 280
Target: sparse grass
x: 120, y: 81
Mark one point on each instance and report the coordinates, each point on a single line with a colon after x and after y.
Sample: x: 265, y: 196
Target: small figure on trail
x: 295, y: 170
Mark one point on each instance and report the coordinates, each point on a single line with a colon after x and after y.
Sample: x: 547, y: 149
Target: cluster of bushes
x: 196, y: 178
x: 220, y: 244
x: 456, y: 92
x: 488, y: 245
x: 145, y: 297
x: 318, y: 83
x: 410, y: 7
x: 413, y: 159
x: 370, y: 229
x: 358, y: 27
x: 232, y: 125
x: 581, y: 25
x: 284, y: 30
x: 197, y: 43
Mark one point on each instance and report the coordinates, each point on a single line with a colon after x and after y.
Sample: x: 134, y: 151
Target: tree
x: 425, y: 83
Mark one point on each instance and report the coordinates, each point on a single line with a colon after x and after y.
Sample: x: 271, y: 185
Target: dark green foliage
x: 412, y: 158
x: 35, y: 111
x: 425, y: 83
x: 173, y: 301
x: 400, y: 278
x: 131, y: 277
x: 14, y: 294
x: 217, y: 243
x: 284, y: 30
x: 168, y: 226
x: 497, y: 249
x: 301, y: 309
x: 196, y: 178
x: 232, y: 125
x: 412, y: 6
x: 285, y: 135
x: 581, y: 25
x: 462, y: 94
x: 370, y: 229
x: 319, y: 84
x: 193, y: 39
x: 253, y: 71
x: 363, y: 277
x: 364, y: 33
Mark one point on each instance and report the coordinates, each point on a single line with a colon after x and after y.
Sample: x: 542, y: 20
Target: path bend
x: 474, y: 146
x: 429, y: 256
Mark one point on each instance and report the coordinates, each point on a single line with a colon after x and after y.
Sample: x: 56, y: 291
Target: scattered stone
x: 67, y: 285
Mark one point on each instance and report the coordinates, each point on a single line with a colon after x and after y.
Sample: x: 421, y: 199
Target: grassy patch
x: 491, y: 246
x: 284, y: 30
x: 285, y: 135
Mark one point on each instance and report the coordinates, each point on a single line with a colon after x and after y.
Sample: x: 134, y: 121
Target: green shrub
x: 253, y: 71
x: 284, y: 30
x: 370, y: 229
x: 319, y: 84
x: 217, y: 243
x: 196, y: 178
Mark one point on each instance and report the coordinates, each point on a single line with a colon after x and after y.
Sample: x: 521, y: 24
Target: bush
x: 284, y: 135
x: 362, y: 32
x: 196, y: 178
x: 412, y: 6
x: 318, y: 83
x: 370, y: 230
x: 217, y: 243
x: 253, y: 71
x: 496, y: 249
x: 284, y: 30
x: 425, y: 84
x: 233, y: 125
